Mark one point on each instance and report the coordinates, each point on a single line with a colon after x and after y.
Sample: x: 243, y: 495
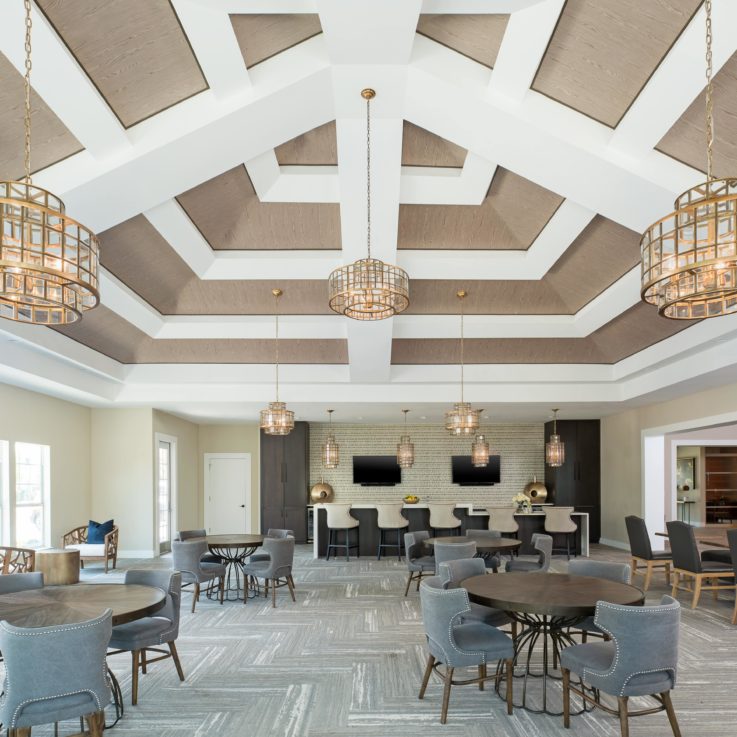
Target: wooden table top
x: 485, y: 543
x: 555, y: 594
x: 54, y: 605
x: 234, y: 541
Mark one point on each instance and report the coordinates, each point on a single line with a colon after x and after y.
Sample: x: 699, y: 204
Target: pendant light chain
x: 368, y: 175
x: 277, y: 294
x: 709, y: 97
x: 462, y: 352
x: 27, y: 102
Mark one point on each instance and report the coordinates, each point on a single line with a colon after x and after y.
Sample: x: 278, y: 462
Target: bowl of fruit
x: 411, y: 499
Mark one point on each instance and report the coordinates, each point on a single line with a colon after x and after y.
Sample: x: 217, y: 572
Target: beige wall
x: 231, y: 439
x: 121, y: 452
x: 621, y: 448
x: 65, y: 427
x: 188, y: 496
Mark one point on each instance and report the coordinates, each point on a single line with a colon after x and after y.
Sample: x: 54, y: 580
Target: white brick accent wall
x: 521, y: 449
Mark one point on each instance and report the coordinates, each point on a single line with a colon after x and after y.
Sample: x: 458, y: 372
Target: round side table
x: 59, y: 566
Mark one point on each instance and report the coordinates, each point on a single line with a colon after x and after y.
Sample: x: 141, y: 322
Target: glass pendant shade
x: 330, y: 448
x: 463, y: 419
x: 555, y: 449
x: 405, y: 447
x: 480, y: 452
x: 277, y: 419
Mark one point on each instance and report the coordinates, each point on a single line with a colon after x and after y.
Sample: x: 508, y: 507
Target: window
x: 166, y: 454
x: 31, y: 495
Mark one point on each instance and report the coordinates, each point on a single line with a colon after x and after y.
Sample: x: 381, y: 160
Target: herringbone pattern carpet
x: 347, y: 659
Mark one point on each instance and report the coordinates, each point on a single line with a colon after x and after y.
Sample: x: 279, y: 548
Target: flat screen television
x: 466, y: 474
x: 376, y: 471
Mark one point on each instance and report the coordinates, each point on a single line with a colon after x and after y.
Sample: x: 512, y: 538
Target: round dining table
x: 233, y: 551
x: 546, y: 605
x: 486, y: 545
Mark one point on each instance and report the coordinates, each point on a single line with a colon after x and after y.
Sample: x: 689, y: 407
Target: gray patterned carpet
x: 347, y: 658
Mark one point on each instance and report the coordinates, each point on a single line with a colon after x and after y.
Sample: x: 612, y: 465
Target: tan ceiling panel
x: 50, y: 140
x: 108, y: 333
x: 476, y: 36
x: 230, y: 216
x: 138, y: 255
x: 134, y: 51
x: 686, y: 140
x: 524, y: 297
x: 422, y: 148
x: 261, y: 36
x: 318, y: 147
x: 603, y: 52
x: 602, y: 253
x: 634, y: 330
x: 510, y: 218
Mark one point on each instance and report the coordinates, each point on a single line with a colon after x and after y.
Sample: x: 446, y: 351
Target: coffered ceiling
x: 519, y: 148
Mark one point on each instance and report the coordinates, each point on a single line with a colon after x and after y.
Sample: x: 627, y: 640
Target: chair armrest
x: 74, y: 537
x: 111, y: 543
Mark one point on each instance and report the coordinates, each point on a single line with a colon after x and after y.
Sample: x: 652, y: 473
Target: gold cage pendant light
x: 555, y: 449
x: 48, y: 261
x: 330, y: 448
x: 462, y: 419
x: 405, y: 447
x: 277, y: 419
x: 689, y: 258
x: 480, y: 451
x: 368, y: 289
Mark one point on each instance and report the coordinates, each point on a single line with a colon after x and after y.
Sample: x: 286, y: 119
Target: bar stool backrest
x: 558, y: 519
x: 442, y: 517
x: 390, y: 516
x: 340, y: 517
x: 502, y: 519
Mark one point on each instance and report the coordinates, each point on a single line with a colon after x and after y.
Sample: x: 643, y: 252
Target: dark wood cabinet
x: 285, y: 475
x: 577, y: 483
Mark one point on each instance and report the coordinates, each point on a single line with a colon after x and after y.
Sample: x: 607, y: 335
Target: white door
x: 227, y: 491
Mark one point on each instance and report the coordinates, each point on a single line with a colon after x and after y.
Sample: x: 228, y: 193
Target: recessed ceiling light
x: 422, y: 417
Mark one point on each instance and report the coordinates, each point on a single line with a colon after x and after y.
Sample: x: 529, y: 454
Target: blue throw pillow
x: 97, y: 530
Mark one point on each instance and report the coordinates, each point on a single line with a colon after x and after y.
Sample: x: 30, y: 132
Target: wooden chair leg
x: 222, y: 589
x: 667, y: 574
x: 714, y: 590
x: 135, y: 655
x: 671, y: 712
x: 734, y: 614
x: 510, y: 684
x: 175, y: 658
x: 648, y: 575
x: 623, y: 721
x: 409, y: 581
x: 446, y: 695
x: 20, y: 732
x: 696, y: 592
x: 426, y: 675
x: 143, y: 661
x: 195, y: 595
x: 633, y: 566
x: 482, y: 675
x: 584, y: 636
x: 566, y: 697
x: 676, y: 580
x: 290, y: 583
x: 95, y: 723
x: 273, y: 594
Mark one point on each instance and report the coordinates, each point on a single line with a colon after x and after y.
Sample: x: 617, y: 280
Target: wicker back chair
x: 106, y: 552
x: 17, y: 560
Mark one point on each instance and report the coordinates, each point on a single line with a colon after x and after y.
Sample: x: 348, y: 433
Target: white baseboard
x: 136, y: 554
x: 614, y: 543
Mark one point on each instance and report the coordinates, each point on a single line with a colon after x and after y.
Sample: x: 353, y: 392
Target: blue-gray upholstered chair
x: 453, y: 551
x: 150, y: 633
x: 55, y: 673
x: 640, y: 660
x: 273, y: 532
x: 418, y: 565
x: 12, y: 582
x: 277, y: 570
x: 492, y: 561
x: 544, y: 545
x: 688, y: 564
x: 456, y: 644
x: 619, y: 572
x: 200, y: 532
x: 642, y: 551
x: 454, y: 572
x: 186, y: 557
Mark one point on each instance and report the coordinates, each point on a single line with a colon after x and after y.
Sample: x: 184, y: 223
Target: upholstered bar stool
x: 391, y: 519
x: 340, y: 520
x: 502, y: 520
x: 443, y: 519
x: 558, y: 521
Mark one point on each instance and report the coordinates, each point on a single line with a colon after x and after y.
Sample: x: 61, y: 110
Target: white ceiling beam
x: 61, y: 82
x: 677, y: 81
x: 422, y: 185
x: 252, y: 7
x: 215, y: 45
x: 477, y: 6
x: 524, y: 43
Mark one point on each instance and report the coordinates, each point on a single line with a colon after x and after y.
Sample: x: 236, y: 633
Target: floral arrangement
x: 522, y: 502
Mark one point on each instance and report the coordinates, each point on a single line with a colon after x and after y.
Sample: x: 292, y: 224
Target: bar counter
x: 418, y: 516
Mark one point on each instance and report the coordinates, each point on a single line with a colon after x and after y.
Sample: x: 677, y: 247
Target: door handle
x: 243, y: 506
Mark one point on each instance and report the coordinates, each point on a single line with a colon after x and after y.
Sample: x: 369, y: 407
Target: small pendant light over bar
x: 480, y: 450
x: 330, y: 448
x: 462, y: 419
x: 48, y: 262
x: 555, y: 450
x: 368, y: 289
x: 405, y: 447
x: 689, y: 258
x: 277, y: 419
